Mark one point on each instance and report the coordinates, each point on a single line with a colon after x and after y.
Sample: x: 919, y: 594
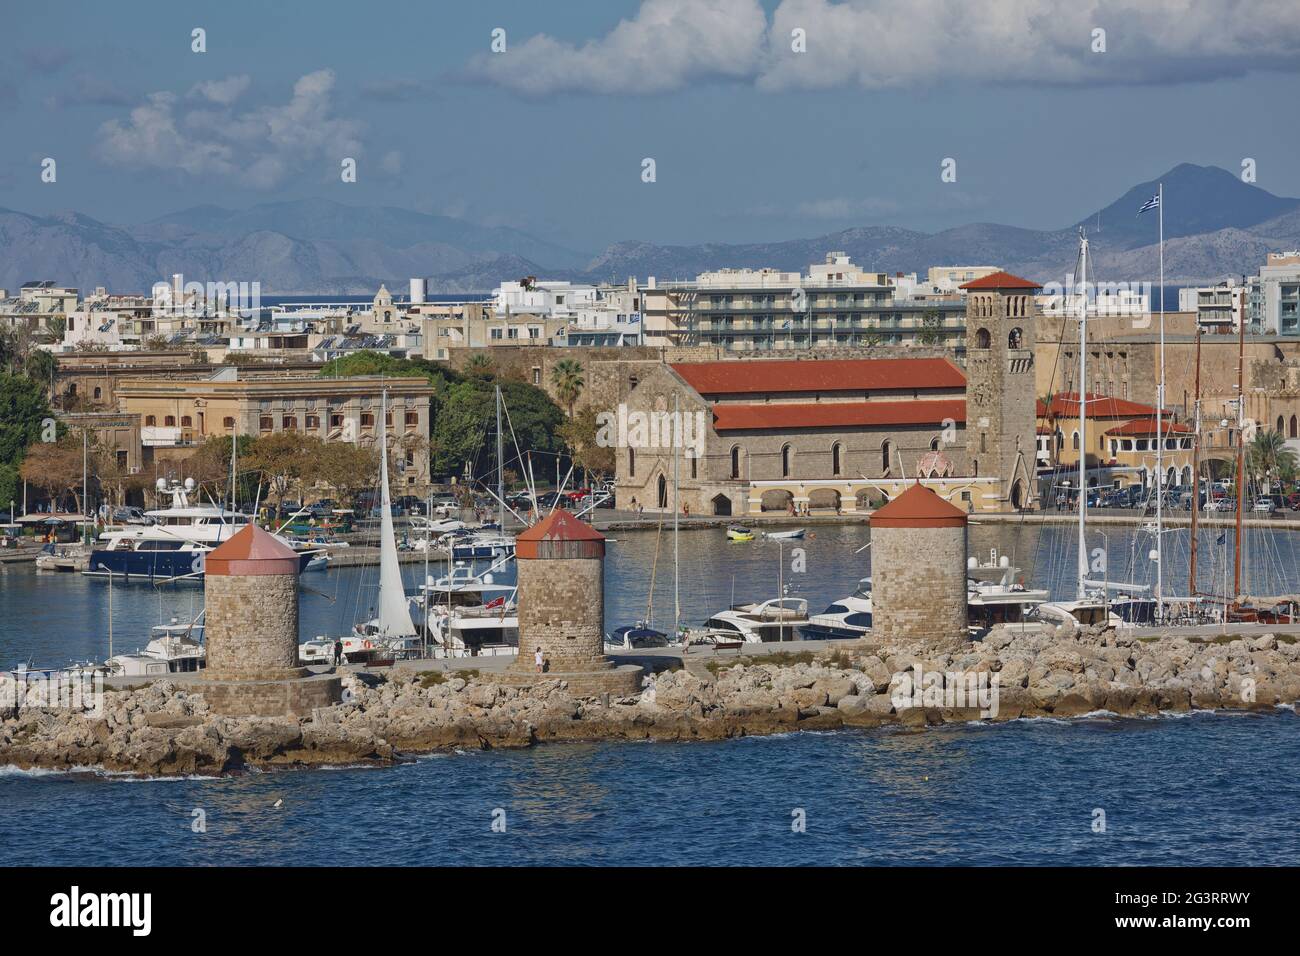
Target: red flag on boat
x: 496, y: 602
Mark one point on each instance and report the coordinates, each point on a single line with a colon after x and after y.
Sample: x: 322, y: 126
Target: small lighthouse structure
x: 250, y: 585
x: 561, y: 596
x: 918, y: 569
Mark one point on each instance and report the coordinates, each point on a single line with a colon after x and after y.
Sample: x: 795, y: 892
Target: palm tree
x: 1269, y: 457
x: 566, y: 376
x: 479, y: 366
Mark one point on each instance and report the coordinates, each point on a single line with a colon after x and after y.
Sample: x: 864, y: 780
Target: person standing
x: 338, y: 651
x: 539, y: 660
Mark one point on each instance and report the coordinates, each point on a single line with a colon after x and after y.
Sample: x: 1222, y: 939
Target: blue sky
x: 751, y: 140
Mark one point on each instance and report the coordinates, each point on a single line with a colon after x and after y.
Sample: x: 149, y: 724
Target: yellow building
x: 181, y: 412
x: 1121, y: 438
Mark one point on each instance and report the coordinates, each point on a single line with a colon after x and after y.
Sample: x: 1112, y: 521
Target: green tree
x: 579, y: 433
x: 1269, y: 458
x: 566, y: 376
x: 23, y: 406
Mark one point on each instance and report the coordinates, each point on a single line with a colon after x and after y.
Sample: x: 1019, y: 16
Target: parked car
x: 131, y: 516
x: 1264, y: 504
x: 1222, y: 504
x: 1115, y: 499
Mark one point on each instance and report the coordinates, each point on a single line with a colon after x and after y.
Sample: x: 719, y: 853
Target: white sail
x: 394, y: 615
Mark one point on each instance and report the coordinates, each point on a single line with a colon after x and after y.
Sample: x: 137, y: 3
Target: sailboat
x: 1090, y: 606
x: 391, y: 633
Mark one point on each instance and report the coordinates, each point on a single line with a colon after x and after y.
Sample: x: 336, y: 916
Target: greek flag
x: 1152, y: 203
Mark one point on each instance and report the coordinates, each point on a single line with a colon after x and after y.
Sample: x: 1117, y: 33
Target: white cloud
x: 668, y: 44
x: 223, y: 92
x: 259, y: 147
x: 878, y: 44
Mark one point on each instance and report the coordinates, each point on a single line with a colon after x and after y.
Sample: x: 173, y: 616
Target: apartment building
x: 836, y: 304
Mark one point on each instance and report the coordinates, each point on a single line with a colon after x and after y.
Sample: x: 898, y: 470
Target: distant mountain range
x: 1215, y: 225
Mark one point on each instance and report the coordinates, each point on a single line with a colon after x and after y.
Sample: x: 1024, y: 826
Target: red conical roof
x: 251, y: 551
x: 918, y: 507
x: 547, y: 538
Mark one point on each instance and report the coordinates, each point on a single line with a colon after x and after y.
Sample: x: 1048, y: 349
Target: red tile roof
x: 1002, y: 280
x: 918, y: 507
x: 786, y: 415
x: 828, y: 375
x: 1147, y: 426
x: 1066, y: 405
x: 251, y: 551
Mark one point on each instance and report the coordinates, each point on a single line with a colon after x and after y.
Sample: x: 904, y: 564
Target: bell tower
x: 1001, y: 403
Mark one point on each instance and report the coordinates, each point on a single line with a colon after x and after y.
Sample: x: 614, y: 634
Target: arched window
x: 1074, y: 440
x: 837, y: 456
x: 228, y: 422
x: 98, y: 391
x: 886, y: 452
x: 934, y: 443
x: 785, y: 461
x: 735, y: 461
x: 1281, y: 427
x: 663, y: 492
x: 982, y: 339
x: 695, y: 467
x: 1295, y: 427
x: 1015, y: 337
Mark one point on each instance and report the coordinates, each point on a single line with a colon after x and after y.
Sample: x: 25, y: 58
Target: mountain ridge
x: 1215, y: 225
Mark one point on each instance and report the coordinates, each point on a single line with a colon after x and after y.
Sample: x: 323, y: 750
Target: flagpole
x: 1160, y: 415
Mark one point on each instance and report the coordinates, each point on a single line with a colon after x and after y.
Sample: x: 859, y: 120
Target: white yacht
x: 173, y: 648
x: 996, y: 595
x: 468, y: 615
x: 779, y: 619
x: 175, y: 545
x: 846, y: 619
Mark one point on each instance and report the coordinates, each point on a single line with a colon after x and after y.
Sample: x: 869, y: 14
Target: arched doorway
x: 721, y: 505
x: 1018, y: 495
x: 663, y: 492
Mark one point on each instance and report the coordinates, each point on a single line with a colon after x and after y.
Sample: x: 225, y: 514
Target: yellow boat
x: 737, y: 533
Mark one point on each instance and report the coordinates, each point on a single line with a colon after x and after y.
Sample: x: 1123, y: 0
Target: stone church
x: 840, y: 435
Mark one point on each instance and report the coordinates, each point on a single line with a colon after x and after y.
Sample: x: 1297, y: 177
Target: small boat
x: 634, y: 636
x: 737, y: 533
x: 173, y: 648
x: 791, y: 535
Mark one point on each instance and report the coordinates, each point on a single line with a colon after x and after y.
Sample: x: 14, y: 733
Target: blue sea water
x: 1198, y: 789
x: 1202, y: 789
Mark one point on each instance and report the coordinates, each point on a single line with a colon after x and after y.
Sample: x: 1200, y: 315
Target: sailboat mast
x: 234, y: 445
x: 1083, y: 414
x: 501, y: 471
x: 1160, y: 414
x: 1241, y: 455
x: 677, y: 445
x: 1196, y: 468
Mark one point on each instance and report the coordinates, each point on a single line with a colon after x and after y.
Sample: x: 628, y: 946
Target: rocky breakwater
x: 167, y: 727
